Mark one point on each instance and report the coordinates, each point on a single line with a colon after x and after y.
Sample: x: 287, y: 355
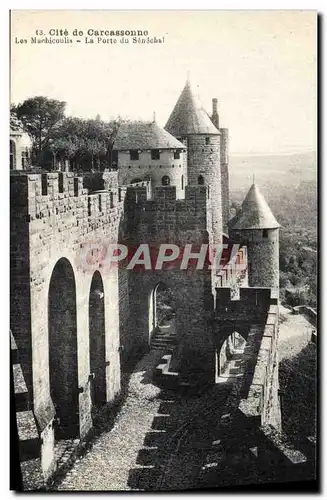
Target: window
x: 201, y: 180
x: 207, y: 140
x: 165, y: 181
x: 134, y: 154
x: 25, y: 160
x: 177, y: 155
x: 182, y: 181
x: 155, y: 154
x: 265, y: 233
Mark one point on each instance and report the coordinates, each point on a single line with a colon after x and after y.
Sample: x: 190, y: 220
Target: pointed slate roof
x: 189, y: 116
x: 144, y: 135
x: 255, y: 212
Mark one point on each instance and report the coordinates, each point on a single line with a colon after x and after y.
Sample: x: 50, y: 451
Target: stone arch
x: 97, y: 339
x: 12, y: 154
x: 156, y: 316
x: 201, y: 180
x: 62, y: 327
x: 229, y: 353
x: 165, y: 180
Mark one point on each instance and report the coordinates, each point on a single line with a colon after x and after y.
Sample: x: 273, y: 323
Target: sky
x: 261, y: 65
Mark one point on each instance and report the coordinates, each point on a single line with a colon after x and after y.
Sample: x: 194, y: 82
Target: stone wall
x: 263, y: 256
x: 52, y: 218
x: 165, y: 219
x: 204, y: 160
x: 146, y: 168
x: 256, y: 317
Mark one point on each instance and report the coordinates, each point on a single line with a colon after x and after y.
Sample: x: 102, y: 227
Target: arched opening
x: 12, y: 155
x: 201, y: 180
x: 182, y: 182
x: 63, y: 349
x: 161, y: 316
x: 97, y: 340
x: 165, y: 181
x: 230, y: 356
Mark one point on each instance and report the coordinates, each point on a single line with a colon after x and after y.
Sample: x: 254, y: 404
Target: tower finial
x: 154, y: 117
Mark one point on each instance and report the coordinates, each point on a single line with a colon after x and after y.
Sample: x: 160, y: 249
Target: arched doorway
x: 63, y: 349
x: 230, y: 356
x: 12, y: 155
x: 97, y: 339
x: 201, y: 180
x: 161, y: 315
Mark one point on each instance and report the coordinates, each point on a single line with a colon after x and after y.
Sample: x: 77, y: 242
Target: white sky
x: 261, y: 65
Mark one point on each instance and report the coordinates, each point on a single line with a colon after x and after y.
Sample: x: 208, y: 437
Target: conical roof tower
x: 189, y: 116
x: 255, y: 212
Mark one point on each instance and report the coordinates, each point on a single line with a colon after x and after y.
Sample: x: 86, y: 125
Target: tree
x: 39, y: 117
x: 87, y: 144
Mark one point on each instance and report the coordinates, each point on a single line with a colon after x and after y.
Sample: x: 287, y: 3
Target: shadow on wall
x: 297, y: 379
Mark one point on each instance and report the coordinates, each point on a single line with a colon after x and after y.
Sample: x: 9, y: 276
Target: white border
x: 319, y: 6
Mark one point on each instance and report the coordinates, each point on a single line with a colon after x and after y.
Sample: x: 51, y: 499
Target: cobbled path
x: 107, y: 464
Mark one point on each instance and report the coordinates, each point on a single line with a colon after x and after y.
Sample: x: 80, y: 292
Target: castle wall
x: 168, y: 220
x: 146, y: 168
x: 256, y: 317
x: 57, y: 217
x: 204, y: 160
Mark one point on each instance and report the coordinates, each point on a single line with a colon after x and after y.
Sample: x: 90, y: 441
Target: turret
x: 191, y: 124
x: 256, y: 226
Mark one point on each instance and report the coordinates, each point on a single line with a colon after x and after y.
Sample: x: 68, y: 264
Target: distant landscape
x: 289, y: 184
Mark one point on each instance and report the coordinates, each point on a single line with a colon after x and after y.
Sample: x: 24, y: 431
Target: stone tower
x: 190, y: 123
x: 146, y: 151
x: 256, y: 226
x: 224, y: 161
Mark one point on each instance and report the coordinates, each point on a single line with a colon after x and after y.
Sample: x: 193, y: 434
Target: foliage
x: 39, y: 117
x: 85, y: 144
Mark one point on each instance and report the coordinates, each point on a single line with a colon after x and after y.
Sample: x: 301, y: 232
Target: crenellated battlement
x: 165, y: 218
x: 234, y: 269
x: 53, y: 193
x: 253, y: 303
x: 164, y: 197
x: 260, y: 297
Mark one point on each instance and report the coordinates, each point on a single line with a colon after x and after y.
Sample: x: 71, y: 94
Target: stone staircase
x: 164, y: 338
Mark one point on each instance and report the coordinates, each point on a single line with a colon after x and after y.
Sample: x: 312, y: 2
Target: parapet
x: 251, y: 299
x: 50, y: 193
x: 164, y: 197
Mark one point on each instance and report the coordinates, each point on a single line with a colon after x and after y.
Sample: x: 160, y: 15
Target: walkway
x: 136, y: 453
